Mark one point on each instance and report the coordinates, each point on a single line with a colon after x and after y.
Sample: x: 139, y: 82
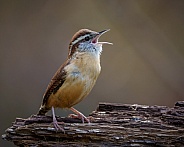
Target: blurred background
x: 144, y: 66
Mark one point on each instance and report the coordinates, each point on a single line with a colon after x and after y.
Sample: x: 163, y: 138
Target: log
x: 112, y: 124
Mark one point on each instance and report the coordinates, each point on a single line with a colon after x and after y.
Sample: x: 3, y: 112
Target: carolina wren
x: 77, y: 75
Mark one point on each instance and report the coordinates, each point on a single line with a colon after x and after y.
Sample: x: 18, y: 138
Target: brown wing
x: 56, y: 82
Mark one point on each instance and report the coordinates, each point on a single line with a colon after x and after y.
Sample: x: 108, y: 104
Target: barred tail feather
x: 43, y: 110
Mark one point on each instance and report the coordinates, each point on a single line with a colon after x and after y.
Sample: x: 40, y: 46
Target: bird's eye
x: 87, y: 38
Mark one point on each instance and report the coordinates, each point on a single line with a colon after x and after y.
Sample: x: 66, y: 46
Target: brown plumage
x: 76, y: 77
x: 56, y: 82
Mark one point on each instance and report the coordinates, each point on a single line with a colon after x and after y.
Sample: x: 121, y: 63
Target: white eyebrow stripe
x: 80, y: 38
x: 74, y: 42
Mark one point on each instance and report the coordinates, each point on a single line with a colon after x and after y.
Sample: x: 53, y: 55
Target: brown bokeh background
x: 145, y: 65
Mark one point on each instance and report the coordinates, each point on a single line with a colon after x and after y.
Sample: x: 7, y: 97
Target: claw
x: 79, y: 115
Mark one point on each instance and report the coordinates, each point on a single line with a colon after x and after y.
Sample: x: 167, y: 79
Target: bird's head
x: 86, y: 40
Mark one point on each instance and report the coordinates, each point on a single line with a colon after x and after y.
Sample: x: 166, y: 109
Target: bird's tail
x: 43, y: 110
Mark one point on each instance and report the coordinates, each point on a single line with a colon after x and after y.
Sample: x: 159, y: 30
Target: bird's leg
x: 55, y: 123
x: 79, y: 115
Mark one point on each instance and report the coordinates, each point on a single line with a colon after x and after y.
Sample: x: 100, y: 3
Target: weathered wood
x: 112, y: 125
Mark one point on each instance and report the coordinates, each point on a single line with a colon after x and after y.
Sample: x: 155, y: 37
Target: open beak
x: 95, y: 39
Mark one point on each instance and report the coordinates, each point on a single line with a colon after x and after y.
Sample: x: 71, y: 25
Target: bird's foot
x: 55, y: 123
x: 57, y: 126
x: 87, y: 119
x: 78, y: 115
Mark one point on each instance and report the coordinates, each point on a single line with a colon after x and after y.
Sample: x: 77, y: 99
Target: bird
x: 76, y: 77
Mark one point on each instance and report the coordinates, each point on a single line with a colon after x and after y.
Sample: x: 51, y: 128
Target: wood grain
x: 112, y: 124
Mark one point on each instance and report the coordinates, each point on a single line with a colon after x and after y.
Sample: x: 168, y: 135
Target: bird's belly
x: 73, y: 90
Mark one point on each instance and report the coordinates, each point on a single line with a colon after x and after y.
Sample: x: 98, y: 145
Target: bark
x: 111, y: 124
